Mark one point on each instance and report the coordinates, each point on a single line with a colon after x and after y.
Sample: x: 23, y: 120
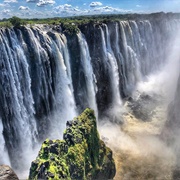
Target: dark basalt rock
x: 6, y: 173
x: 80, y: 155
x: 144, y: 107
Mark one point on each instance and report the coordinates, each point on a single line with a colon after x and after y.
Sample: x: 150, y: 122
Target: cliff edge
x: 80, y: 155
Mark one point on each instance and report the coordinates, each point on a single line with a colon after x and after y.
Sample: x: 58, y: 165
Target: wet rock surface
x: 144, y: 106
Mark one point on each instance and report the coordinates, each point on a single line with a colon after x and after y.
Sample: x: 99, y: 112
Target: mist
x: 140, y: 152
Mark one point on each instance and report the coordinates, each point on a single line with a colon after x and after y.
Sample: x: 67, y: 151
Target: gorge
x: 49, y: 76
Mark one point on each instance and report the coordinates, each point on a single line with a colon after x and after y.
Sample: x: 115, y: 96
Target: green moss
x: 81, y: 155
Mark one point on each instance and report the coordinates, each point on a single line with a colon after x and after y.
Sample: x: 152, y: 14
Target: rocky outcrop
x: 80, y: 155
x: 143, y: 107
x: 6, y: 173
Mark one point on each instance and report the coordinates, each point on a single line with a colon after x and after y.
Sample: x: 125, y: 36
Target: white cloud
x: 6, y: 11
x: 45, y: 2
x: 32, y: 1
x: 67, y: 6
x: 23, y: 8
x: 10, y: 1
x: 66, y: 9
x: 3, y: 5
x: 61, y: 10
x: 63, y: 7
x: 138, y: 5
x: 109, y: 9
x: 95, y: 4
x: 69, y: 10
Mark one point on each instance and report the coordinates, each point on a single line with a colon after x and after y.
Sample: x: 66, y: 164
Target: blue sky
x: 51, y: 8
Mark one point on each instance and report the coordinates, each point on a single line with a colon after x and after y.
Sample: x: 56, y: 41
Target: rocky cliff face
x: 80, y: 155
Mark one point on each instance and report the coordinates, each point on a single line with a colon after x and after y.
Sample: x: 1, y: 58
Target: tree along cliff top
x: 79, y: 20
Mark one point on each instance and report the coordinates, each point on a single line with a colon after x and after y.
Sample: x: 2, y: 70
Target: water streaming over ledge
x: 47, y: 77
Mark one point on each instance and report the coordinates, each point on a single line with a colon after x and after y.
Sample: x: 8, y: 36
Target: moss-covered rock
x: 80, y: 155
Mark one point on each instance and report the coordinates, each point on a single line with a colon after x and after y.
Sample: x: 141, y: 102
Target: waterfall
x: 65, y: 103
x: 61, y: 42
x: 47, y: 77
x: 111, y: 62
x: 4, y: 158
x: 88, y: 71
x: 17, y: 102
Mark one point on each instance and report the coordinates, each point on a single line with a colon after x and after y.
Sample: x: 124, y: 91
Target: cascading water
x: 47, y: 77
x: 64, y: 49
x: 88, y: 71
x: 63, y: 94
x: 4, y: 158
x: 17, y: 103
x: 111, y: 62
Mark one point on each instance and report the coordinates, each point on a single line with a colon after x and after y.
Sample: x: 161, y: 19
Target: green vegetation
x: 70, y: 28
x: 5, y: 24
x: 15, y: 21
x: 72, y: 23
x: 81, y: 155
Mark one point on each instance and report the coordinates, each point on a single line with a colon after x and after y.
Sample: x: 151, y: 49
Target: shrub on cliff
x: 70, y: 28
x: 15, y: 21
x: 80, y: 155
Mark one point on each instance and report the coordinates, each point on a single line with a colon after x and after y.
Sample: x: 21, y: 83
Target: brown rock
x: 6, y: 173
